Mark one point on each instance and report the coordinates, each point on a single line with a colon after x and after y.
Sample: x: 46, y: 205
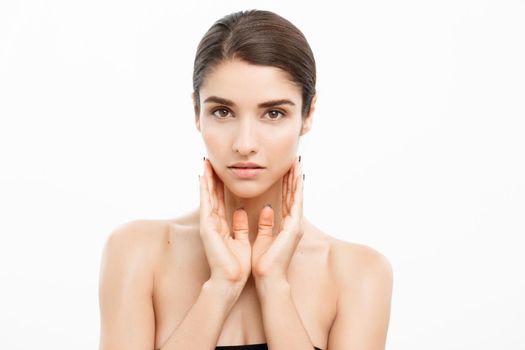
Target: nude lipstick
x: 246, y: 170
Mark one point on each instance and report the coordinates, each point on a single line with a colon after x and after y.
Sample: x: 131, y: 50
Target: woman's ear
x: 196, y: 110
x: 307, y: 122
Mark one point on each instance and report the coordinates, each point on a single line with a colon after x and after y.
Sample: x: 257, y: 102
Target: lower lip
x: 246, y: 173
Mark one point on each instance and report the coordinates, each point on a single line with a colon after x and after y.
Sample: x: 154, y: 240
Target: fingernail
x: 303, y: 177
x: 203, y: 159
x: 299, y: 158
x: 268, y: 205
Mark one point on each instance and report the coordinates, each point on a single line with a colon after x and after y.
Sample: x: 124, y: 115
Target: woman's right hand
x: 229, y: 257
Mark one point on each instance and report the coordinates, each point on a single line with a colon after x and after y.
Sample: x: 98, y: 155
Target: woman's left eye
x: 220, y: 115
x: 275, y: 113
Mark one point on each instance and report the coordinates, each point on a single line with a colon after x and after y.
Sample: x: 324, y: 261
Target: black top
x: 263, y: 346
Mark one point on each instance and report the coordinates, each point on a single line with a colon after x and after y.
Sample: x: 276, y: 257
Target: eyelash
x: 226, y: 109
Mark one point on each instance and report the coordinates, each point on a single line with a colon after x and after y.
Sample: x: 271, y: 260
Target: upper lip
x: 245, y: 165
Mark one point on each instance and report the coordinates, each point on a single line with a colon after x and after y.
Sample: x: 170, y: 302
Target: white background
x: 417, y: 150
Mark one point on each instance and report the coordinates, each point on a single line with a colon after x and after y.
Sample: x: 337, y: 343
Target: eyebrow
x: 266, y: 104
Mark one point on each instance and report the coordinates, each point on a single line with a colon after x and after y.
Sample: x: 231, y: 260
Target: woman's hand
x: 228, y: 257
x: 271, y: 255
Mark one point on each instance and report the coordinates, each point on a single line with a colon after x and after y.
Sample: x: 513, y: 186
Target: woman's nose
x: 245, y: 139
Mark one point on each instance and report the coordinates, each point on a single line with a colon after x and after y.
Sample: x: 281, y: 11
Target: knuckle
x: 265, y: 226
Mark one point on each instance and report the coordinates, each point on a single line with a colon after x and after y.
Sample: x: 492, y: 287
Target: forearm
x: 201, y: 327
x: 282, y: 324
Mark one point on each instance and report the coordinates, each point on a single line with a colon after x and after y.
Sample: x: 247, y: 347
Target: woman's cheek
x: 283, y: 153
x: 214, y: 142
x: 286, y: 142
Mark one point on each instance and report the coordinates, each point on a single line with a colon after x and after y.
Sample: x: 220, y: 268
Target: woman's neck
x: 253, y: 207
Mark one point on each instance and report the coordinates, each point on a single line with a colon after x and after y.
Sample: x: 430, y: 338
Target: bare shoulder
x: 130, y: 252
x: 144, y: 242
x: 126, y: 285
x: 359, y: 266
x: 363, y: 278
x: 138, y: 238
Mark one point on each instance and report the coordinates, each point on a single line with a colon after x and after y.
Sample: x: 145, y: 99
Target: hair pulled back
x: 261, y: 38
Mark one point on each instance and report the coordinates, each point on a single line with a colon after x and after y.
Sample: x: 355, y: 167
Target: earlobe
x: 312, y: 105
x: 307, y: 123
x: 197, y: 118
x: 198, y: 123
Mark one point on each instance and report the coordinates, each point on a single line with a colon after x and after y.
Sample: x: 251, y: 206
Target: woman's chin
x: 247, y: 190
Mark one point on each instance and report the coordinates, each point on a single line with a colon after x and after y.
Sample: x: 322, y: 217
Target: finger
x: 298, y: 174
x: 240, y: 225
x: 291, y: 177
x: 204, y: 198
x: 283, y: 195
x: 286, y: 193
x: 297, y: 207
x: 265, y: 225
x: 220, y: 198
x: 211, y: 185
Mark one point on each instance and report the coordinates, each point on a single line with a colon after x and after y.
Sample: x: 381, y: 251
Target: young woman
x: 245, y: 270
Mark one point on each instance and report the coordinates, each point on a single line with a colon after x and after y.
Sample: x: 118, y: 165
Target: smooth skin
x: 231, y: 256
x: 219, y: 275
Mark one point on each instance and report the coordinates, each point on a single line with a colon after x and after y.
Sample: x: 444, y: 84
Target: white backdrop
x: 417, y: 150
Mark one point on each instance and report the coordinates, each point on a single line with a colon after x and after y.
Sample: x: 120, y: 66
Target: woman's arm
x: 363, y: 305
x: 202, y: 325
x: 271, y: 256
x: 127, y: 320
x: 282, y: 324
x: 126, y: 306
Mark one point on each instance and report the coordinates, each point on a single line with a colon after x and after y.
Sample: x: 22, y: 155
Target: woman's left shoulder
x: 357, y: 254
x: 358, y: 263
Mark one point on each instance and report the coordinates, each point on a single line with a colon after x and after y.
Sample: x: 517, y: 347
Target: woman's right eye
x: 220, y: 113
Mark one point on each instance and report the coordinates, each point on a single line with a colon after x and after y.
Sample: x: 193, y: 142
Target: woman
x: 246, y: 268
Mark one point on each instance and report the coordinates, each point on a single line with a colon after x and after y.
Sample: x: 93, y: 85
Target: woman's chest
x: 179, y: 280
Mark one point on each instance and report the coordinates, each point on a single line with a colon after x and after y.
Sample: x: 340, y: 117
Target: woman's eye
x: 222, y: 113
x: 274, y: 114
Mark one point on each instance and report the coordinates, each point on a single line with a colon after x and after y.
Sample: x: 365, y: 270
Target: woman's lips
x: 246, y: 173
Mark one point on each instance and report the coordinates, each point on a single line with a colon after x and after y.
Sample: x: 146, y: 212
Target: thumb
x: 240, y: 225
x: 265, y: 227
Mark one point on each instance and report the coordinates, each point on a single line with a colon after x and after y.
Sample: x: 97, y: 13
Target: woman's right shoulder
x: 126, y: 284
x: 137, y: 234
x: 146, y: 239
x: 141, y: 235
x: 127, y: 280
x: 131, y: 244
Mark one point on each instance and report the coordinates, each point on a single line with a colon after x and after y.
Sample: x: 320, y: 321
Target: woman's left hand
x: 271, y: 254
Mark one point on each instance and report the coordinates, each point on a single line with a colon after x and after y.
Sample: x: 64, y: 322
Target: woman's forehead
x: 244, y: 82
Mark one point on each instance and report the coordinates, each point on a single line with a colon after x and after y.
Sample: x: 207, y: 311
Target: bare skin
x: 153, y: 271
x: 173, y: 256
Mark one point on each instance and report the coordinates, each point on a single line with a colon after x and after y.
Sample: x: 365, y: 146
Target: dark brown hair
x: 257, y: 37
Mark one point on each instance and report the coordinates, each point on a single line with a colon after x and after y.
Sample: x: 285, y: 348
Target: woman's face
x: 250, y: 113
